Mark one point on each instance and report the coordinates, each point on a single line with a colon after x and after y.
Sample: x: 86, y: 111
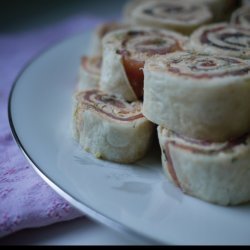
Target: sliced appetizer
x: 221, y: 9
x: 110, y: 128
x: 214, y: 172
x: 181, y: 16
x: 222, y: 39
x: 124, y: 55
x: 201, y: 96
x: 89, y: 73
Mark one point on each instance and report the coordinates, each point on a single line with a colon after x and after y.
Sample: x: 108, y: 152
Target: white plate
x: 134, y: 198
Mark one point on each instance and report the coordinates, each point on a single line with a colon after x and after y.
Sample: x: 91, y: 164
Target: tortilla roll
x: 110, y: 128
x: 214, y: 172
x: 180, y: 16
x: 125, y: 52
x: 200, y: 96
x: 221, y: 9
x: 222, y: 39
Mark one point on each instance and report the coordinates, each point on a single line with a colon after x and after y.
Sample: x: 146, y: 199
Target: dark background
x: 25, y: 14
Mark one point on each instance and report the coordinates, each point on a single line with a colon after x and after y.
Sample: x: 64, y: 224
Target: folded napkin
x: 26, y: 201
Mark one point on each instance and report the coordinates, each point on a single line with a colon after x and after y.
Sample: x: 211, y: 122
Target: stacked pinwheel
x: 176, y: 65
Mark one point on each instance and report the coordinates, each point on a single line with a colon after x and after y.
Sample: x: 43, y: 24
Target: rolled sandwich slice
x: 89, y: 73
x: 222, y: 39
x: 99, y: 32
x: 110, y: 128
x: 200, y: 96
x: 124, y: 55
x: 221, y: 9
x: 214, y: 172
x: 241, y: 17
x: 180, y: 16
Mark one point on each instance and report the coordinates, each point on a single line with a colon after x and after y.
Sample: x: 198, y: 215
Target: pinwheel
x: 110, y: 128
x: 181, y: 16
x: 214, y: 172
x: 222, y: 39
x: 124, y: 55
x: 201, y: 96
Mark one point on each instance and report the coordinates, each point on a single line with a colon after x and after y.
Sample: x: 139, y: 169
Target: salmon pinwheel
x: 214, y: 172
x: 124, y: 55
x: 110, y: 128
x: 201, y: 96
x: 222, y: 39
x: 89, y: 72
x: 221, y: 9
x: 180, y: 16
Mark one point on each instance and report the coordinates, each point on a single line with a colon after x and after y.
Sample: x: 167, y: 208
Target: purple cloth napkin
x: 26, y: 201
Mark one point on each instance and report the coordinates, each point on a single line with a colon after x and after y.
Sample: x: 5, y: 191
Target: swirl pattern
x: 201, y: 66
x: 132, y: 47
x: 222, y: 39
x: 179, y: 13
x: 109, y: 105
x: 141, y: 44
x: 179, y: 16
x: 204, y: 147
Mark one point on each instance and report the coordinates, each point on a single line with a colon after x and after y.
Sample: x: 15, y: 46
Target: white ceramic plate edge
x: 91, y: 212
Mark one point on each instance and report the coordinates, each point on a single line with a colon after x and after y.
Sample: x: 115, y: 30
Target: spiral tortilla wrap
x: 183, y: 17
x: 214, y: 172
x: 201, y: 96
x: 124, y: 55
x: 110, y: 128
x: 222, y: 39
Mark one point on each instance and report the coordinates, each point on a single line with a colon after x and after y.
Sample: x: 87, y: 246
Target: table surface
x: 25, y: 16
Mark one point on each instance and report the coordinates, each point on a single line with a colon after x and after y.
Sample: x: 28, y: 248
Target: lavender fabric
x: 25, y: 199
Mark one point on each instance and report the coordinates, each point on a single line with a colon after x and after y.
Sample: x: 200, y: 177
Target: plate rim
x: 80, y: 206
